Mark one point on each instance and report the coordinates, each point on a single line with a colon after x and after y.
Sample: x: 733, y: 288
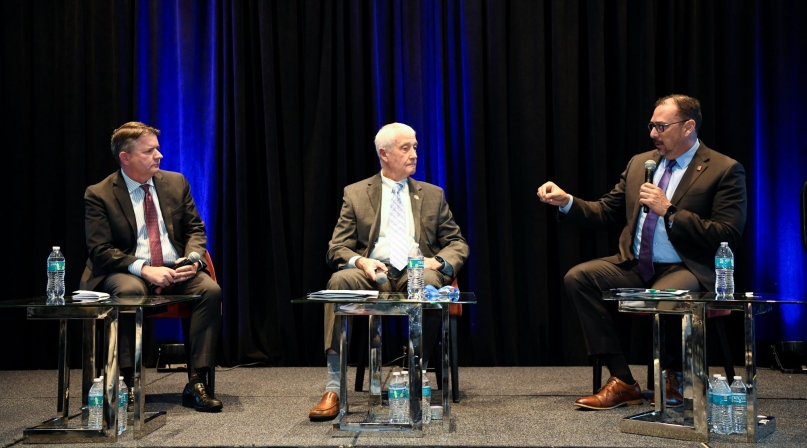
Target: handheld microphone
x: 380, y: 278
x: 649, y: 169
x: 193, y: 257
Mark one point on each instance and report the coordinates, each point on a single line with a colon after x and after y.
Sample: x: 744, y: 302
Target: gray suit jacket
x: 111, y: 228
x: 711, y: 200
x: 360, y: 219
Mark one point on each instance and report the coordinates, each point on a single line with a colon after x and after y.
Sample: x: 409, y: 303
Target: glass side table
x: 390, y: 304
x: 58, y: 429
x: 692, y: 309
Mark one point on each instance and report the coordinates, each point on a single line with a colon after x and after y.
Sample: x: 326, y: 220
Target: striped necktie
x: 399, y: 237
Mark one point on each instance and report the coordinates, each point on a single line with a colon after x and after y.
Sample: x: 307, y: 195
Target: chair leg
x: 596, y: 374
x: 724, y: 345
x: 455, y: 376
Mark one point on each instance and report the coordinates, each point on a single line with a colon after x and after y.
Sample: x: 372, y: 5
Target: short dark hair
x: 124, y: 137
x: 689, y: 108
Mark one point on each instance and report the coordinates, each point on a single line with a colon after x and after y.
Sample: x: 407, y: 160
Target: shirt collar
x: 683, y: 160
x: 132, y: 185
x: 391, y: 183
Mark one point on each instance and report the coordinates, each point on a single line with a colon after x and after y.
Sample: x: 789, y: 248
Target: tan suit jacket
x: 360, y: 220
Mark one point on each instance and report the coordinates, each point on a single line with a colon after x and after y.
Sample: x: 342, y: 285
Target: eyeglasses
x: 661, y: 127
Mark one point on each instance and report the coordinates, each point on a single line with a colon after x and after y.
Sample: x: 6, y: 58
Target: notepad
x: 653, y: 293
x: 343, y: 294
x: 89, y: 296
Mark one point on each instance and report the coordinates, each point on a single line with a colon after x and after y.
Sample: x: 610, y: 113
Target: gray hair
x: 387, y: 134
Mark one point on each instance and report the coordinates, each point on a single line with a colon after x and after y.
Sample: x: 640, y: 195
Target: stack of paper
x: 89, y: 296
x: 343, y: 294
x: 638, y: 292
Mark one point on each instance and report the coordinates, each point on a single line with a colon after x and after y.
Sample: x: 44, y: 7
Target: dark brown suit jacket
x: 711, y: 200
x: 111, y: 228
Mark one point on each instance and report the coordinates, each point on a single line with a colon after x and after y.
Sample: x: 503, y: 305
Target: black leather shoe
x: 195, y: 396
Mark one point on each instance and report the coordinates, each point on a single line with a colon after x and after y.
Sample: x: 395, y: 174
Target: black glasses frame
x: 661, y: 127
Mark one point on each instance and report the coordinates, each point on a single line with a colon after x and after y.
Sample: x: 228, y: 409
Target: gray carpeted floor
x: 501, y: 406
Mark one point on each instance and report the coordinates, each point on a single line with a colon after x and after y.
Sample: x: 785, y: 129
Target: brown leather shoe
x: 614, y: 394
x: 327, y: 408
x: 675, y: 391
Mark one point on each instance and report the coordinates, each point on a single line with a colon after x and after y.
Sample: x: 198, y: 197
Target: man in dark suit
x: 140, y: 223
x: 366, y: 236
x: 672, y: 245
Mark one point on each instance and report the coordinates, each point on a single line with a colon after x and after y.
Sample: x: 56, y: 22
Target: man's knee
x: 348, y: 279
x: 121, y: 284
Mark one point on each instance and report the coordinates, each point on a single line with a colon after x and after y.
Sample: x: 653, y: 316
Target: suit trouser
x: 355, y: 279
x: 586, y: 282
x: 205, y: 318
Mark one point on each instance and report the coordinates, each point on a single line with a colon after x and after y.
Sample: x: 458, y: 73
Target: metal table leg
x: 143, y: 422
x: 757, y: 428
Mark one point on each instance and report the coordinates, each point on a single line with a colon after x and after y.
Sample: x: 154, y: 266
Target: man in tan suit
x: 696, y: 201
x: 361, y: 244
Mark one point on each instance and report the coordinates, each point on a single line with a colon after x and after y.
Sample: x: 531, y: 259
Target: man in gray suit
x: 141, y: 224
x: 365, y: 237
x: 696, y: 201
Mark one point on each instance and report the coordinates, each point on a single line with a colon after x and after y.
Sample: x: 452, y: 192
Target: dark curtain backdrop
x: 270, y: 109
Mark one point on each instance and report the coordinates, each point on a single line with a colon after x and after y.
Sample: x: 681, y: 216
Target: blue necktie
x: 399, y: 237
x: 646, y: 270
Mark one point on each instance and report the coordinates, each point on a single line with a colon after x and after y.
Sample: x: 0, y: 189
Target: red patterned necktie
x: 646, y: 270
x: 153, y: 228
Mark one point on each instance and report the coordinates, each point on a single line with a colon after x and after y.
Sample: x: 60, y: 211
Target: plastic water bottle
x: 123, y: 401
x: 55, y: 291
x: 414, y: 284
x: 398, y: 404
x: 95, y: 401
x: 721, y: 420
x: 426, y: 410
x: 738, y: 406
x: 724, y: 271
x: 710, y: 409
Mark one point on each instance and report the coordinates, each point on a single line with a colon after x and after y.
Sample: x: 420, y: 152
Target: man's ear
x: 124, y: 158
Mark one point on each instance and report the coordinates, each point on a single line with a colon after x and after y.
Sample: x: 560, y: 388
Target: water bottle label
x: 397, y: 393
x: 724, y: 263
x: 415, y: 263
x: 55, y: 266
x: 427, y: 392
x: 96, y: 400
x: 722, y: 400
x: 738, y: 399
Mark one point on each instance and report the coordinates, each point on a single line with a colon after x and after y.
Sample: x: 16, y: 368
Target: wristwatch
x: 442, y: 262
x: 670, y: 211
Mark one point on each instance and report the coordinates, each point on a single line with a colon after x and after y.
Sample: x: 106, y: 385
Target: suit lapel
x: 697, y: 166
x: 125, y: 201
x: 374, y: 197
x: 416, y: 203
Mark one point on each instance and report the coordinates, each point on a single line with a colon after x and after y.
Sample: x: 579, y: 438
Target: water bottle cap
x: 737, y: 377
x: 56, y: 247
x: 396, y: 373
x: 120, y: 378
x: 97, y: 380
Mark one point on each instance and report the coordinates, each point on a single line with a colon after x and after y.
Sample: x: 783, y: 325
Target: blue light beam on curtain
x: 176, y: 85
